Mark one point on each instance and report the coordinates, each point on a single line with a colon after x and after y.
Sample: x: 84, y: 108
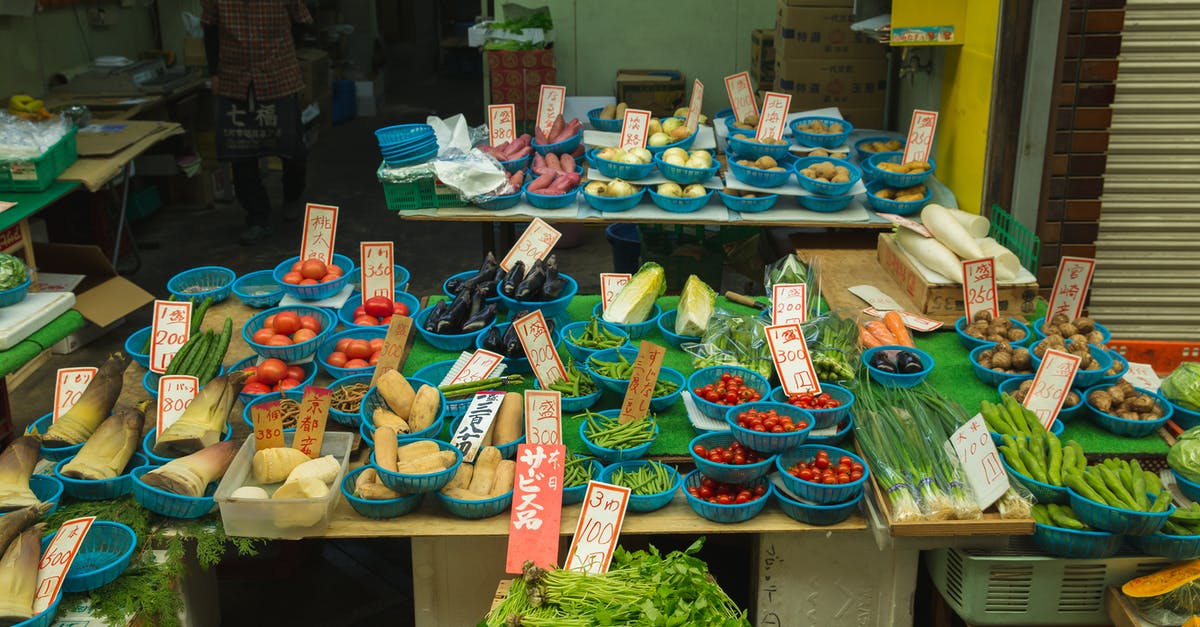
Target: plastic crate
x: 689, y: 249
x: 424, y: 193
x: 1014, y: 236
x: 1163, y: 355
x: 36, y: 174
x: 1019, y: 585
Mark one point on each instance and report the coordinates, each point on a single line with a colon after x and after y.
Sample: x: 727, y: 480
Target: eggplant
x: 435, y: 314
x: 554, y: 284
x: 477, y: 299
x: 908, y: 363
x: 487, y: 288
x: 511, y: 346
x: 552, y: 261
x: 456, y: 315
x: 454, y: 285
x: 479, y: 320
x: 515, y: 275
x: 493, y: 340
x: 531, y: 288
x: 884, y: 361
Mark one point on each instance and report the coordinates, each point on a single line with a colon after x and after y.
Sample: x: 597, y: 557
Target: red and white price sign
x: 976, y: 452
x: 320, y: 228
x: 979, y: 287
x: 789, y: 303
x: 1051, y: 384
x: 534, y: 334
x: 268, y: 425
x: 915, y: 227
x: 695, y: 104
x: 502, y: 123
x: 310, y: 426
x: 69, y: 385
x: 633, y: 128
x: 536, y: 507
x: 912, y: 321
x: 774, y: 116
x: 1071, y: 287
x: 475, y: 423
x: 741, y: 96
x: 543, y: 417
x: 56, y: 560
x: 610, y: 285
x: 598, y: 528
x: 642, y: 380
x: 175, y: 393
x: 170, y: 329
x: 1143, y: 376
x: 550, y: 105
x: 792, y: 361
x: 480, y: 365
x: 920, y: 135
x: 378, y: 270
x: 535, y: 243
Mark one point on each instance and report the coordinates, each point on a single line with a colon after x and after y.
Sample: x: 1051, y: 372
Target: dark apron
x: 252, y: 128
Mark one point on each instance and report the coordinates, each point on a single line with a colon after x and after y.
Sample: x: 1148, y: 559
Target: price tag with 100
x: 976, y: 452
x: 598, y: 528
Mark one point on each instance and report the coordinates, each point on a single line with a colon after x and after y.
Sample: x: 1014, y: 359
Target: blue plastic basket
x: 1172, y: 547
x: 403, y: 134
x: 1075, y: 543
x: 566, y: 146
x: 151, y: 439
x: 548, y: 201
x: 366, y: 431
x: 475, y: 510
x: 825, y: 188
x: 730, y: 130
x: 574, y: 404
x: 579, y: 353
x: 824, y: 418
x: 845, y: 428
x: 258, y: 289
x: 414, y: 159
x: 549, y: 308
x: 727, y: 473
x: 1115, y: 519
x: 1183, y: 416
x: 765, y: 442
x: 292, y: 352
x: 863, y: 154
x: 991, y: 377
x: 608, y: 384
x: 14, y: 295
x: 420, y: 483
x: 295, y: 394
x: 1037, y: 325
x: 761, y: 178
x: 822, y: 204
x: 1056, y: 428
x: 574, y: 494
x: 1084, y: 378
x: 635, y: 330
x: 52, y: 453
x: 104, y: 554
x: 349, y: 419
x: 684, y: 175
x: 449, y: 342
x: 666, y: 326
x: 663, y: 403
x: 1123, y: 427
x: 608, y: 126
x: 1043, y: 492
x: 820, y: 140
x: 745, y: 147
x: 518, y: 164
x: 1190, y: 488
x: 896, y: 179
x: 400, y: 278
x: 169, y: 504
x: 712, y: 374
x: 371, y: 400
x: 508, y: 450
x: 620, y: 170
x: 345, y: 313
x: 898, y: 380
x: 516, y: 365
x: 644, y: 502
x: 816, y: 514
x: 684, y: 143
x: 728, y: 514
x: 680, y: 205
x: 971, y: 342
x: 608, y: 204
x: 197, y: 284
x: 819, y: 492
x: 612, y: 455
x: 317, y: 291
x: 900, y: 208
x: 327, y: 348
x: 88, y: 490
x: 757, y: 204
x: 134, y: 344
x: 501, y: 202
x: 462, y: 276
x: 1118, y: 362
x: 377, y: 509
x: 435, y: 373
x: 47, y: 489
x: 310, y: 373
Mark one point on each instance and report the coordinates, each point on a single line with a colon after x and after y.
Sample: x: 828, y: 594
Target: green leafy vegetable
x: 1182, y: 386
x: 635, y: 301
x: 696, y: 303
x: 1184, y: 456
x: 12, y: 272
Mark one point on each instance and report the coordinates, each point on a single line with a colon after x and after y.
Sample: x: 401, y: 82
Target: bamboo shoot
x: 204, y: 420
x: 190, y: 475
x: 95, y: 404
x: 16, y: 465
x: 18, y: 576
x: 108, y: 451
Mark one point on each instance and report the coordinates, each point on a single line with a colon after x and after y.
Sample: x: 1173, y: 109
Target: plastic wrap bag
x: 833, y: 345
x: 1017, y: 501
x: 22, y: 139
x: 474, y: 174
x: 789, y: 269
x: 733, y: 340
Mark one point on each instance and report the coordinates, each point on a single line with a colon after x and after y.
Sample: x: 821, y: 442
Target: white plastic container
x: 289, y: 519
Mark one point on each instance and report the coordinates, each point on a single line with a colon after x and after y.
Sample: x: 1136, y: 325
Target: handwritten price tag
x: 534, y: 334
x: 57, y: 559
x: 1143, y: 376
x: 378, y: 269
x: 695, y: 104
x: 920, y: 135
x: 396, y: 345
x: 310, y: 427
x: 175, y: 393
x: 774, y: 116
x: 501, y: 123
x: 979, y: 287
x: 475, y: 423
x: 69, y: 385
x: 792, y: 361
x: 912, y: 321
x: 543, y: 417
x: 916, y: 227
x: 550, y: 105
x: 649, y: 361
x: 320, y: 228
x: 598, y: 528
x: 535, y: 243
x: 268, y: 425
x: 789, y: 303
x: 976, y: 453
x: 537, y: 506
x: 875, y: 297
x: 633, y: 128
x: 741, y: 95
x: 610, y: 285
x: 1051, y: 384
x: 169, y: 331
x: 479, y: 366
x: 1071, y: 287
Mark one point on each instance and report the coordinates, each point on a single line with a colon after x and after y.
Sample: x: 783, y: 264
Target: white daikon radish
x: 1007, y: 264
x: 948, y: 231
x: 931, y: 253
x: 975, y: 224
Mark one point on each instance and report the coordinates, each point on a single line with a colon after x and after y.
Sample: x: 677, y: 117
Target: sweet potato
x: 560, y: 186
x: 517, y: 179
x: 555, y: 129
x: 552, y: 161
x: 541, y: 183
x: 539, y: 164
x: 506, y: 471
x: 567, y: 163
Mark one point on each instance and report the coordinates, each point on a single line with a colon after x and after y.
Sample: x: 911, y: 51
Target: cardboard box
x: 762, y: 54
x: 820, y: 32
x: 850, y: 83
x: 193, y: 52
x: 315, y: 72
x: 516, y: 77
x: 945, y: 302
x: 659, y: 91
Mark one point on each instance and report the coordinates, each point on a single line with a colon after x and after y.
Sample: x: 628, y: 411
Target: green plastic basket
x: 423, y: 193
x: 36, y: 175
x: 1014, y: 236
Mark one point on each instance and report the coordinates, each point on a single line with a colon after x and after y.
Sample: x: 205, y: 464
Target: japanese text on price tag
x: 175, y: 393
x: 912, y: 321
x: 1051, y: 384
x: 1143, y: 376
x: 534, y: 334
x: 69, y: 385
x: 268, y: 425
x: 396, y: 345
x: 475, y: 423
x: 642, y: 380
x: 479, y: 366
x: 633, y: 128
x: 535, y: 243
x: 598, y: 528
x: 695, y: 104
x: 550, y: 105
x: 502, y: 123
x: 170, y: 328
x: 976, y: 452
x: 610, y: 284
x: 741, y: 96
x: 56, y: 560
x: 789, y: 303
x: 792, y: 361
x: 543, y: 417
x: 774, y: 116
x: 536, y: 506
x: 920, y: 135
x: 378, y: 270
x: 310, y: 426
x: 915, y: 227
x: 1071, y: 287
x: 979, y: 287
x: 320, y: 229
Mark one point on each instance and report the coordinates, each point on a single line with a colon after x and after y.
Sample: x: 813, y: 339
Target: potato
x: 765, y: 163
x: 1101, y: 399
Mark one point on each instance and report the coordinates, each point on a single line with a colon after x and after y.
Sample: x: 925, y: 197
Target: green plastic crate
x: 1014, y: 236
x: 425, y: 193
x: 37, y: 174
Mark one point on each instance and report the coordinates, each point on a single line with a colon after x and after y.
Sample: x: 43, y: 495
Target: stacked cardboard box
x: 516, y: 78
x: 659, y: 91
x: 762, y: 59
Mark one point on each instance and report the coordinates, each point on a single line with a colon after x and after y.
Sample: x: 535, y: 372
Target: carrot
x: 895, y: 324
x: 881, y: 333
x: 868, y: 340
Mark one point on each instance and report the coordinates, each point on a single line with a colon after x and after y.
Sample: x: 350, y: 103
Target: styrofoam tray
x: 24, y: 318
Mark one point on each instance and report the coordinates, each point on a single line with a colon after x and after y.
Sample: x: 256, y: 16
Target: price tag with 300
x: 792, y: 360
x: 543, y: 417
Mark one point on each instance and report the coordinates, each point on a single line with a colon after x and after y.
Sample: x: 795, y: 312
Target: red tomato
x: 255, y: 387
x: 279, y: 340
x: 359, y: 312
x: 378, y: 306
x: 271, y: 371
x: 335, y: 270
x: 337, y: 359
x: 386, y: 320
x: 288, y: 384
x: 376, y: 343
x: 311, y: 323
x: 296, y: 266
x: 330, y: 277
x: 293, y: 278
x: 340, y: 346
x: 366, y: 321
x: 358, y: 349
x: 296, y: 372
x: 400, y: 309
x: 263, y: 336
x: 269, y: 322
x: 303, y: 335
x: 314, y: 269
x: 356, y: 363
x: 286, y: 322
x: 374, y: 358
x: 309, y: 282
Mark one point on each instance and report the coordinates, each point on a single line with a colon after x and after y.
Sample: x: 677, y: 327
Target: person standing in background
x: 251, y: 55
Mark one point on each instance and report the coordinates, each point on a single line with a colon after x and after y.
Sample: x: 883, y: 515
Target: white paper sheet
x: 704, y: 139
x: 792, y: 188
x: 654, y: 179
x: 794, y: 214
x: 714, y: 211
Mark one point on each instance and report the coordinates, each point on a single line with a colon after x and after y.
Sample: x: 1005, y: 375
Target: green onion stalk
x: 906, y: 442
x: 929, y: 415
x: 876, y: 447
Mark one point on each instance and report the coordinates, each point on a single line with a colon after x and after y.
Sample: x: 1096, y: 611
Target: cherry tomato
x: 296, y: 372
x: 272, y: 370
x: 286, y: 322
x: 358, y: 349
x: 337, y: 359
x: 313, y: 269
x: 378, y: 306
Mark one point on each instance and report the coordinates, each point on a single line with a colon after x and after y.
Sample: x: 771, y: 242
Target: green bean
x: 608, y: 432
x: 576, y: 384
x: 623, y: 370
x: 597, y: 336
x: 650, y: 478
x: 577, y: 470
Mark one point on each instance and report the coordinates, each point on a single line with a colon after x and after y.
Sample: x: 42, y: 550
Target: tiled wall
x: 1068, y: 221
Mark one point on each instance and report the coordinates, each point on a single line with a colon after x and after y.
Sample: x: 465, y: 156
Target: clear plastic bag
x: 790, y: 269
x: 22, y: 139
x: 733, y: 340
x: 833, y: 343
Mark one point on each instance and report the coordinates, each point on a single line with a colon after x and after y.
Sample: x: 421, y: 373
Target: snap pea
x: 1114, y: 483
x: 597, y: 336
x: 1037, y: 472
x: 1080, y: 458
x: 1077, y: 483
x: 1041, y: 515
x: 1094, y: 479
x: 650, y: 478
x: 1161, y: 503
x: 577, y: 470
x: 576, y: 384
x: 609, y: 432
x: 622, y: 369
x: 1054, y: 466
x: 1188, y: 515
x: 1064, y: 517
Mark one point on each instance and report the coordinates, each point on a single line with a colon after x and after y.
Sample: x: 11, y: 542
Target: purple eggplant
x: 435, y: 314
x: 480, y: 319
x: 530, y: 289
x: 515, y: 275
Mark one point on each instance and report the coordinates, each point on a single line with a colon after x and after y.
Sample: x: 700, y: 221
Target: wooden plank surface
x: 1120, y: 611
x: 847, y: 260
x: 501, y: 592
x: 990, y: 525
